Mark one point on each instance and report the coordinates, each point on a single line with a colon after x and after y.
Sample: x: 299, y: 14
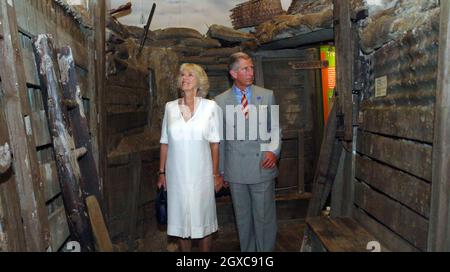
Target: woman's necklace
x: 186, y: 110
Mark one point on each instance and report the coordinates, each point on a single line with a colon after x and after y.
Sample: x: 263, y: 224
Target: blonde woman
x: 189, y: 160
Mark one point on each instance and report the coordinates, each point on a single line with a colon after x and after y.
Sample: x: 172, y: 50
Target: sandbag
x: 228, y: 34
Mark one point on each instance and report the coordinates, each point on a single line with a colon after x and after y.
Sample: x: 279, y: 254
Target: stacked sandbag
x: 215, y: 59
x: 132, y: 104
x: 231, y: 37
x: 211, y: 51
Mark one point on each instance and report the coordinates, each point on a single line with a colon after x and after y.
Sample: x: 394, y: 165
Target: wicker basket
x: 255, y: 12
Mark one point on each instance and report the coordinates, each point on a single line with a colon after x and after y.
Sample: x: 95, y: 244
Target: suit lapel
x: 256, y: 96
x: 231, y: 98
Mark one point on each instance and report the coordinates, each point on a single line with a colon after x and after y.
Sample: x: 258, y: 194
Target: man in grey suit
x: 247, y: 162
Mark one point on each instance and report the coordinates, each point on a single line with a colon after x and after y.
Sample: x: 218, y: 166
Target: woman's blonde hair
x: 200, y: 74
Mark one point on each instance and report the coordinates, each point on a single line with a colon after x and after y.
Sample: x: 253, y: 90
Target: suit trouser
x: 255, y: 211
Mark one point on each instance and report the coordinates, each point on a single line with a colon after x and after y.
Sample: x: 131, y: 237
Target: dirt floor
x: 289, y: 238
x: 291, y: 211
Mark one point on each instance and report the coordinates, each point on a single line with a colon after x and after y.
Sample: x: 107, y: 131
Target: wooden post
x: 11, y: 227
x: 98, y: 13
x: 344, y: 65
x: 102, y: 240
x: 439, y: 227
x: 67, y: 154
x: 28, y: 178
x: 342, y: 198
x: 133, y: 201
x: 346, y: 41
x: 326, y: 167
x: 301, y: 162
x: 92, y: 86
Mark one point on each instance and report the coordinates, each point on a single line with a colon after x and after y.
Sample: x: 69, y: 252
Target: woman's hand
x: 218, y: 183
x: 161, y: 182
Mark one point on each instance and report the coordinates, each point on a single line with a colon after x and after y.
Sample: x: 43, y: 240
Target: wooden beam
x: 344, y: 35
x: 92, y: 87
x: 439, y: 228
x: 133, y: 200
x: 11, y: 227
x: 322, y: 35
x: 98, y: 8
x: 102, y: 240
x: 397, y: 217
x: 327, y: 167
x: 337, y: 190
x: 411, y: 122
x: 406, y: 189
x: 301, y: 162
x: 12, y: 236
x: 17, y: 113
x: 348, y: 186
x: 412, y: 157
x: 393, y: 241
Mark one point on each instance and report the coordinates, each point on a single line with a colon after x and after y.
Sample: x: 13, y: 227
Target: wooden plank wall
x: 12, y: 236
x: 33, y: 18
x: 127, y: 112
x: 136, y: 91
x: 127, y: 105
x: 17, y: 115
x: 395, y: 140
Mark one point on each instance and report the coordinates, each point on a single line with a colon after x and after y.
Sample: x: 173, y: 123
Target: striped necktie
x: 244, y: 103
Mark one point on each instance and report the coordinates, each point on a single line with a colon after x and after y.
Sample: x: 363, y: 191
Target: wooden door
x: 297, y: 91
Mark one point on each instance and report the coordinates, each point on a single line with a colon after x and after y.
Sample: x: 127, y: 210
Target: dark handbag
x: 161, y: 206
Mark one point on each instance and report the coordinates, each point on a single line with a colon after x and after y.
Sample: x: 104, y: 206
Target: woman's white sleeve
x: 164, y: 128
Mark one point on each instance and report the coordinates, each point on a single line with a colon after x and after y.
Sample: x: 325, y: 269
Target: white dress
x: 189, y: 170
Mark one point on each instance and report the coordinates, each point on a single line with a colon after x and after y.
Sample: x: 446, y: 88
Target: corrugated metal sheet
x: 410, y: 65
x: 396, y: 132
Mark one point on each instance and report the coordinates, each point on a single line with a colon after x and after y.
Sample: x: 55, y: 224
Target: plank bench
x: 324, y: 234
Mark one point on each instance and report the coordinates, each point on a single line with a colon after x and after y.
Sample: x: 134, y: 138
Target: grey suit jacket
x: 241, y: 157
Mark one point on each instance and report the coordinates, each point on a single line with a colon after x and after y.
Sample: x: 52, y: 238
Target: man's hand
x: 270, y: 160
